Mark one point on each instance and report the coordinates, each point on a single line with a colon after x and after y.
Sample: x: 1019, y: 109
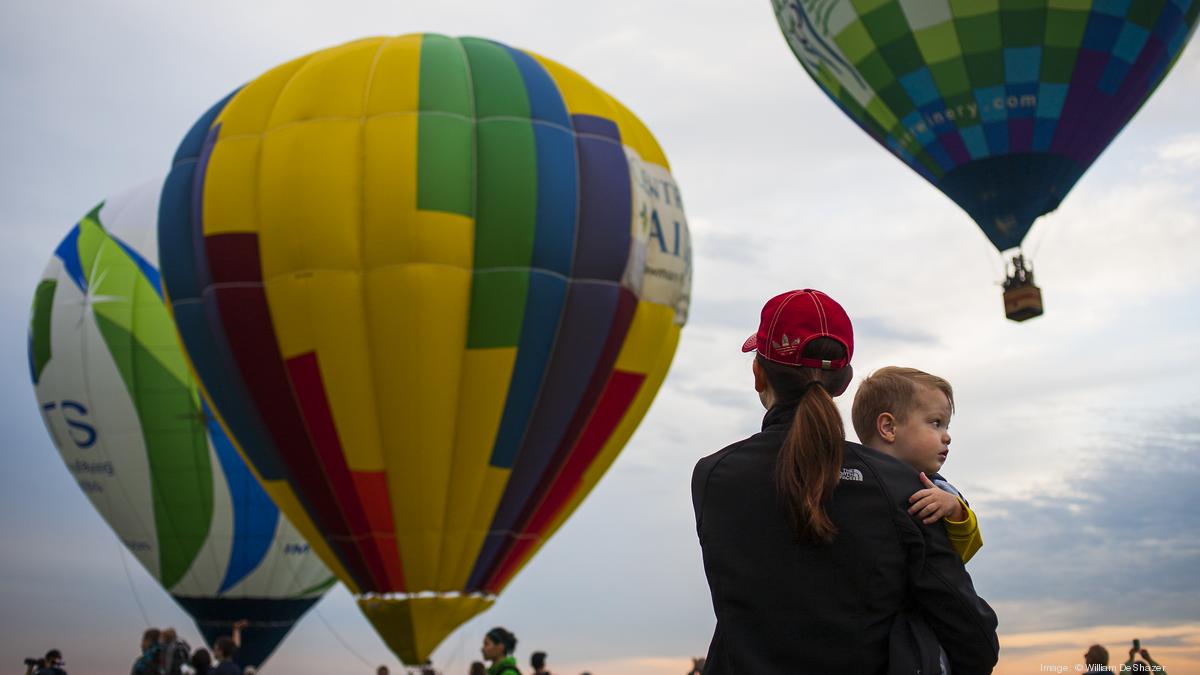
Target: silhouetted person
x: 499, y: 647
x: 202, y: 662
x: 1149, y: 665
x: 150, y: 660
x: 52, y: 664
x: 538, y: 662
x: 223, y: 650
x: 1096, y: 659
x: 175, y: 652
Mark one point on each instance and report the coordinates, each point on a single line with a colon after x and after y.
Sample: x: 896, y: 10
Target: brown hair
x: 810, y: 459
x: 1096, y: 656
x: 224, y: 647
x: 892, y: 389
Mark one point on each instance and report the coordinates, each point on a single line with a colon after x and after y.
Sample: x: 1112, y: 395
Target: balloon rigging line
x: 998, y: 272
x: 132, y: 589
x: 1045, y: 234
x: 360, y: 657
x: 462, y: 639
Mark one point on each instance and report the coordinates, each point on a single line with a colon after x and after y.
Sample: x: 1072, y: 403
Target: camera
x: 40, y: 663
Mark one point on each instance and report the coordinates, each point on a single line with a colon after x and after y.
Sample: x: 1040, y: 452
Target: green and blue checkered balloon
x: 1001, y: 104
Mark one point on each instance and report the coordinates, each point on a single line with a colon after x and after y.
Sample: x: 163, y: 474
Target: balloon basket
x: 1022, y: 303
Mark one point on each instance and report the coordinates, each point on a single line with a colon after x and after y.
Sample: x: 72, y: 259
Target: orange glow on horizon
x: 1023, y: 653
x: 1020, y: 653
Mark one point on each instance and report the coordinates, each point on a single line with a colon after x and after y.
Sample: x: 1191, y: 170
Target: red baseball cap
x: 791, y: 320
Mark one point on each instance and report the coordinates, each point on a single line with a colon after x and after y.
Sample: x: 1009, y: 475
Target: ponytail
x: 810, y: 460
x: 813, y: 450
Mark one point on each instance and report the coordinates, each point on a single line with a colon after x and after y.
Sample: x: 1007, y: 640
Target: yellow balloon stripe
x: 417, y: 356
x: 249, y: 112
x: 483, y: 394
x: 309, y: 195
x: 398, y: 61
x: 230, y: 201
x: 494, y: 481
x: 330, y: 84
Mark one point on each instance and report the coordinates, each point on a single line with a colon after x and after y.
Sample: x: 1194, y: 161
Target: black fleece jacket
x: 792, y: 607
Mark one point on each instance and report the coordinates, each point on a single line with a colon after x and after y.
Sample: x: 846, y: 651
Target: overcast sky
x: 1076, y: 435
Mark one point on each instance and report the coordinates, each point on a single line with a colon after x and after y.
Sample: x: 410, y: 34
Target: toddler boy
x: 905, y: 412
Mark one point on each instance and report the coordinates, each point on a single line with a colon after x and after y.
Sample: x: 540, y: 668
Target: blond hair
x: 892, y: 389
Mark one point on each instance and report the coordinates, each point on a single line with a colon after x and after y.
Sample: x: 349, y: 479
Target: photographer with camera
x: 1147, y: 666
x: 50, y: 664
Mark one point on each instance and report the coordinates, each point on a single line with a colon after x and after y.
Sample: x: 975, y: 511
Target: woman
x: 813, y: 561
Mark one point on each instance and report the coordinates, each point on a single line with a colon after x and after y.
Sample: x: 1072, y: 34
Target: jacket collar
x: 780, y: 414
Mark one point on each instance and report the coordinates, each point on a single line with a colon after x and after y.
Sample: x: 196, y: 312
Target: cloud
x: 1180, y: 154
x: 1118, y: 538
x: 884, y: 329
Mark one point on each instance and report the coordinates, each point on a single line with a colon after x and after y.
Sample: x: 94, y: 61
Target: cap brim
x: 751, y: 343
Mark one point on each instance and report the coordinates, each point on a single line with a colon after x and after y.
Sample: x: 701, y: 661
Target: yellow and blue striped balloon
x: 432, y: 286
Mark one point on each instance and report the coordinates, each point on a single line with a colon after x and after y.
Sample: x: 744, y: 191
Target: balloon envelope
x: 124, y: 412
x: 432, y: 284
x: 1001, y: 105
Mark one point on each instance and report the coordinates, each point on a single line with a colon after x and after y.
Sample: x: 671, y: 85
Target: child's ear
x: 885, y: 427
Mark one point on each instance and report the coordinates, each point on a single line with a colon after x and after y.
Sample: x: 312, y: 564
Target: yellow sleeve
x: 964, y: 534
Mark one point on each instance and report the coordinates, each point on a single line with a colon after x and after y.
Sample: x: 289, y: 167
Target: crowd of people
x: 163, y: 652
x: 499, y: 652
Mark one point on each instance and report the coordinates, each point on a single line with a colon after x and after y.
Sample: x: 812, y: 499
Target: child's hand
x: 933, y: 503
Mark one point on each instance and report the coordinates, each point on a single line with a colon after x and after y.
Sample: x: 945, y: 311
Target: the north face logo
x: 852, y: 474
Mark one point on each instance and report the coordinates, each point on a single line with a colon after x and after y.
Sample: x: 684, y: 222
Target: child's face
x: 923, y: 438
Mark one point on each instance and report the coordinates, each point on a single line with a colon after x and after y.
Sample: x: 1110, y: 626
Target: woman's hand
x: 933, y: 503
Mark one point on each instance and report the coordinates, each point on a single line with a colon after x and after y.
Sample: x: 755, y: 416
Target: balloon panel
x: 441, y: 280
x: 1002, y: 106
x: 123, y: 410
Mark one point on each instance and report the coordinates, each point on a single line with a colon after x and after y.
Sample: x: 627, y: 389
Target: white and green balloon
x: 125, y: 413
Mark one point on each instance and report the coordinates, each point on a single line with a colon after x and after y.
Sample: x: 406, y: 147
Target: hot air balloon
x: 1000, y: 105
x: 432, y: 285
x: 125, y: 414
